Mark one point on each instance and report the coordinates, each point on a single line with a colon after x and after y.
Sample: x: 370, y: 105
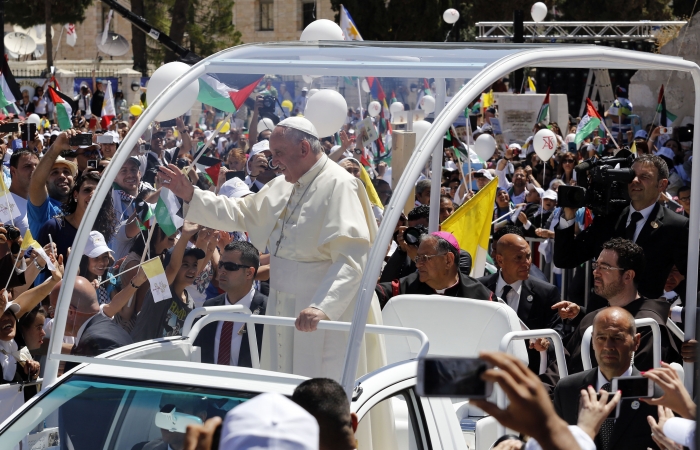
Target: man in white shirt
x: 615, y: 339
x: 226, y: 343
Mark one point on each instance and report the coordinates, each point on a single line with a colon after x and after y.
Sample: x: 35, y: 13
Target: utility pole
x: 2, y: 27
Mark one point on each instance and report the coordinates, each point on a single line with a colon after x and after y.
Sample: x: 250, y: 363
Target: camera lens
x: 270, y: 165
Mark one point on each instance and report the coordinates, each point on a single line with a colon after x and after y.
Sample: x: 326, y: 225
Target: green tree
x: 615, y: 10
x: 27, y: 13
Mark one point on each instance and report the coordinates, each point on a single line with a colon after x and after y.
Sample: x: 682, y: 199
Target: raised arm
x: 188, y: 230
x: 37, y: 186
x: 29, y: 299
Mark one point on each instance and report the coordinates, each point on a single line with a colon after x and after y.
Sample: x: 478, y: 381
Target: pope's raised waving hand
x: 172, y: 178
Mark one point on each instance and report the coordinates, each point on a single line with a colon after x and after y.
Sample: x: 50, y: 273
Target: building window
x: 267, y: 22
x: 308, y: 13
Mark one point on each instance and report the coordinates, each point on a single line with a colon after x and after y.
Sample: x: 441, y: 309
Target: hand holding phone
x: 453, y: 377
x: 80, y: 139
x: 633, y: 387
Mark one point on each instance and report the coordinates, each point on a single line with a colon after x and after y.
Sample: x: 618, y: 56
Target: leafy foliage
x: 27, y: 13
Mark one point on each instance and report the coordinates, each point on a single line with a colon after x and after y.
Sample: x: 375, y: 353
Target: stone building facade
x: 277, y: 20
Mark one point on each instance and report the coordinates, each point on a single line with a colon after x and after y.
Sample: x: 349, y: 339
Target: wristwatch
x: 36, y: 263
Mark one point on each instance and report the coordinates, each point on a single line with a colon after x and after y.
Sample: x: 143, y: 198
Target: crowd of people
x: 240, y: 235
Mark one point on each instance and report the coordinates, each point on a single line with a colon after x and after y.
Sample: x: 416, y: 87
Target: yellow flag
x: 28, y: 240
x: 471, y: 225
x: 633, y: 148
x: 531, y: 84
x: 487, y: 99
x: 369, y: 187
x: 3, y: 188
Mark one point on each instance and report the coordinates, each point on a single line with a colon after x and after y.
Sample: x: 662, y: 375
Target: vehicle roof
x: 195, y: 374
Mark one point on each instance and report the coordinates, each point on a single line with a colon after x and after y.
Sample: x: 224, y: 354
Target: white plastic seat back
x: 456, y: 327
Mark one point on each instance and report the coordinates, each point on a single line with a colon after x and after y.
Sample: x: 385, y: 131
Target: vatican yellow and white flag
x: 153, y: 268
x: 348, y: 26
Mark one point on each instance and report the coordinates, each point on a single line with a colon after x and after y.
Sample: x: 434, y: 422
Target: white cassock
x: 319, y: 231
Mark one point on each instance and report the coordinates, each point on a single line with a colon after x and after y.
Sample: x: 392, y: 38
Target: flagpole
x: 7, y: 201
x: 58, y: 45
x: 208, y: 142
x: 609, y: 133
x: 359, y: 97
x: 146, y: 249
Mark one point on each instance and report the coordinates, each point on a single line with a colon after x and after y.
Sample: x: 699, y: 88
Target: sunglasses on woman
x: 232, y: 267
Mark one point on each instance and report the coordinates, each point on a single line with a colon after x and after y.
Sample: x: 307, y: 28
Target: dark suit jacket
x: 400, y: 265
x: 100, y: 336
x: 534, y: 308
x: 641, y: 308
x: 207, y: 336
x: 467, y: 287
x: 631, y: 430
x: 664, y: 239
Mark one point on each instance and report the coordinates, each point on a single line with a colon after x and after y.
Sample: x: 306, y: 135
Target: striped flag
x: 167, y: 212
x: 64, y: 111
x: 145, y: 214
x: 589, y: 123
x: 543, y: 115
x: 210, y: 166
x: 214, y: 93
x: 348, y: 25
x: 667, y: 118
x: 153, y: 268
x: 108, y: 111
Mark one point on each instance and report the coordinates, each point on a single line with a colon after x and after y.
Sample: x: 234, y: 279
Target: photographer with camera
x: 264, y: 108
x: 661, y: 233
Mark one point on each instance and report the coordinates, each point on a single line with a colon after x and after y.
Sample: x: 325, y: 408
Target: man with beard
x: 51, y: 183
x: 615, y: 279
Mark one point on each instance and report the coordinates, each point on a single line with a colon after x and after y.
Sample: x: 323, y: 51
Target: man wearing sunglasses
x: 226, y: 343
x: 615, y: 278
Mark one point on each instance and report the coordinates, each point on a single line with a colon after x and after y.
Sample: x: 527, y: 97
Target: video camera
x: 601, y: 184
x: 268, y: 105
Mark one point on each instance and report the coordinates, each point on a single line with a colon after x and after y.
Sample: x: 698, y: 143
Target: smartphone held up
x: 453, y: 377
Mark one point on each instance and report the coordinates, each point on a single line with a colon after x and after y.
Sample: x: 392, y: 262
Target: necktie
x: 224, y: 357
x: 606, y: 429
x: 507, y: 289
x: 632, y: 227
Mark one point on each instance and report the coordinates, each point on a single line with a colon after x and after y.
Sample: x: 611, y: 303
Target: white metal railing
x: 656, y: 342
x: 575, y: 31
x: 224, y: 313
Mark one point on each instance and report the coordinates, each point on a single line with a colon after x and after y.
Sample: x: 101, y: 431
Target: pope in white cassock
x: 317, y: 223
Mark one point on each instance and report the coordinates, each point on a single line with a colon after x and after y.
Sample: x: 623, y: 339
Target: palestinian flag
x: 9, y: 87
x: 145, y: 214
x: 666, y: 118
x: 108, y: 111
x: 392, y: 99
x: 168, y: 212
x: 589, y: 123
x: 210, y: 166
x: 64, y: 109
x: 214, y: 93
x: 543, y: 115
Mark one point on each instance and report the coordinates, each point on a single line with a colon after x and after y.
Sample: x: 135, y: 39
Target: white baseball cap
x: 486, y: 173
x: 539, y: 190
x: 14, y: 307
x: 550, y: 194
x: 269, y: 421
x: 235, y: 188
x: 301, y: 124
x: 96, y: 245
x: 259, y: 147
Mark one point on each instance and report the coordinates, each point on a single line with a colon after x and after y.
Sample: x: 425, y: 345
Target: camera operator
x: 259, y: 167
x: 264, y: 107
x: 662, y: 234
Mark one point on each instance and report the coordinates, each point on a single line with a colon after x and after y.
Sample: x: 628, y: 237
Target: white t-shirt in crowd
x: 21, y: 222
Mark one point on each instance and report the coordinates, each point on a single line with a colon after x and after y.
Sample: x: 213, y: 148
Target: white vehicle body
x: 429, y: 423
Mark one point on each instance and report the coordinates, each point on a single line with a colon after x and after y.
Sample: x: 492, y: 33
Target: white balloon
x: 365, y: 85
x: 374, y: 108
x: 327, y: 110
x: 427, y: 103
x: 34, y: 118
x: 420, y: 127
x: 484, y: 146
x: 184, y: 99
x: 545, y: 143
x: 450, y: 15
x: 538, y: 11
x: 396, y: 107
x: 311, y: 92
x: 266, y: 124
x: 570, y: 138
x: 322, y: 30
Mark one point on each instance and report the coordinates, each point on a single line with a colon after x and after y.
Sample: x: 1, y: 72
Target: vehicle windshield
x: 88, y: 413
